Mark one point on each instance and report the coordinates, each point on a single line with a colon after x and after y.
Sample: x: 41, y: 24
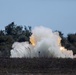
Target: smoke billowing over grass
x: 44, y: 43
x: 40, y: 41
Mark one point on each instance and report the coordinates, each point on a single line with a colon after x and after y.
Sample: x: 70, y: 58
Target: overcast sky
x: 55, y: 14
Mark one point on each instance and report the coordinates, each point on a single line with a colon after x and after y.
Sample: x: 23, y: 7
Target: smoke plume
x: 44, y: 43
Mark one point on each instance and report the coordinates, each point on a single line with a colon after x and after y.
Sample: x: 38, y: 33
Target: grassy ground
x: 37, y: 66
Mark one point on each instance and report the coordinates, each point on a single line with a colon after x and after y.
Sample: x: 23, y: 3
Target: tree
x: 10, y: 29
x: 71, y: 38
x: 18, y: 30
x: 11, y: 34
x: 1, y: 32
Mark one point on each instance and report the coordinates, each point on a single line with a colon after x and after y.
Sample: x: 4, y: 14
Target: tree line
x: 16, y: 33
x: 12, y: 33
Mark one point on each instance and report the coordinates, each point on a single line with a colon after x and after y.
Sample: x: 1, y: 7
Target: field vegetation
x: 38, y: 65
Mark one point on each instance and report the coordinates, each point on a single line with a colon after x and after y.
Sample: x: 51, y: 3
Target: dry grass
x: 37, y: 66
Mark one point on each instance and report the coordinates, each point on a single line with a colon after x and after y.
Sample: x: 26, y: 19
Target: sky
x: 55, y: 14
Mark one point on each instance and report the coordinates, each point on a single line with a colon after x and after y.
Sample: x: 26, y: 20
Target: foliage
x: 11, y: 34
x: 14, y: 33
x: 68, y: 42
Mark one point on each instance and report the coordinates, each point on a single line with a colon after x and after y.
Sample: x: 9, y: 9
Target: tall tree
x: 10, y: 29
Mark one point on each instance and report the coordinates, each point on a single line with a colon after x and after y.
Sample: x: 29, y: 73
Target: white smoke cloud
x: 45, y: 43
